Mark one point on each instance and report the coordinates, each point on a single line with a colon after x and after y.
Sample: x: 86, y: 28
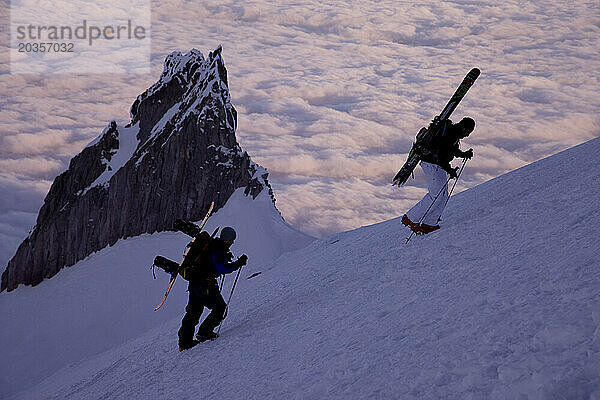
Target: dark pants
x: 202, y: 294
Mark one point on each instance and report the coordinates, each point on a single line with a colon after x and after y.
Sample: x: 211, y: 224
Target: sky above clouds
x: 330, y: 96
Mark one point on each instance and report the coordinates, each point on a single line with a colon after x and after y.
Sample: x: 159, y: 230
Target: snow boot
x: 188, y: 345
x: 407, y: 222
x: 204, y: 336
x: 425, y: 229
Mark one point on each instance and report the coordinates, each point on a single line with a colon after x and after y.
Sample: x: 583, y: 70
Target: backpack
x: 196, y: 258
x: 193, y: 265
x: 426, y: 136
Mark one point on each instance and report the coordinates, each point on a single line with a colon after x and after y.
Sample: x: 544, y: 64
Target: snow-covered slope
x: 502, y: 303
x: 109, y: 297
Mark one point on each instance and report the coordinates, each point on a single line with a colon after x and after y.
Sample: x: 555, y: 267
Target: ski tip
x: 474, y: 73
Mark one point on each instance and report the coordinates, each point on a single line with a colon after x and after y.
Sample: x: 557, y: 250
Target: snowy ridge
x: 97, y: 139
x: 502, y: 303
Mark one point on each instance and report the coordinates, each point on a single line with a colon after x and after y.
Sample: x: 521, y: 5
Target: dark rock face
x: 178, y: 154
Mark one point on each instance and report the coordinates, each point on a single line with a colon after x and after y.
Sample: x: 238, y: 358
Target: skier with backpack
x: 211, y: 260
x: 439, y: 149
x: 435, y: 147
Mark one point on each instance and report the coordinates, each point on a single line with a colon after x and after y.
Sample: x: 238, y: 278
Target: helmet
x: 228, y: 234
x: 467, y: 123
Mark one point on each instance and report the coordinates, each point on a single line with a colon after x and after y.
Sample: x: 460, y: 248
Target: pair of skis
x: 414, y: 156
x: 175, y: 273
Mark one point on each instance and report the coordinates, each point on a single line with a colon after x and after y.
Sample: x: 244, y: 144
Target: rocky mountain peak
x: 177, y: 154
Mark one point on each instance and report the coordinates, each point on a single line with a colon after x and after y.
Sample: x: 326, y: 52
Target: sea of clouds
x: 330, y: 96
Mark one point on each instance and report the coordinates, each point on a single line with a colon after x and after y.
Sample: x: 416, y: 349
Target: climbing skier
x: 424, y: 216
x: 204, y: 289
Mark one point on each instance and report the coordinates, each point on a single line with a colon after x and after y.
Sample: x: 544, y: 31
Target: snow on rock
x: 127, y: 137
x: 502, y: 303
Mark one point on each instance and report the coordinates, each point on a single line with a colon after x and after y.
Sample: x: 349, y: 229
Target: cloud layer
x: 330, y: 96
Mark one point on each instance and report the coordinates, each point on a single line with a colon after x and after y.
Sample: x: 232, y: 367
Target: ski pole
x: 429, y: 208
x: 221, y: 284
x: 453, y: 186
x: 229, y: 299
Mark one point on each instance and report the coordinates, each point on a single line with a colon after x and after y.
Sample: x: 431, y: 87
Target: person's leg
x: 214, y: 301
x: 437, y: 184
x: 436, y: 179
x: 193, y: 311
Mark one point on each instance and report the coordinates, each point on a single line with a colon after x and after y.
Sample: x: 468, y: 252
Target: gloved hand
x: 242, y: 260
x: 453, y: 172
x: 468, y: 154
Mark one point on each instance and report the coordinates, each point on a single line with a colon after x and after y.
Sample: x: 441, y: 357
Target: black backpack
x: 427, y: 135
x: 195, y: 261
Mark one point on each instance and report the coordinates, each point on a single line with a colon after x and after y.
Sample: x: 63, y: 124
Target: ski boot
x: 424, y: 229
x: 407, y: 222
x: 188, y: 345
x: 204, y: 336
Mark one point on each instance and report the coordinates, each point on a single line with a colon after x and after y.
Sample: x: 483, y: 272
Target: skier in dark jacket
x: 204, y: 290
x: 443, y: 148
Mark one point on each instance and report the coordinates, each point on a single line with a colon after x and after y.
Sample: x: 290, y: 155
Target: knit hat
x: 228, y: 234
x: 468, y: 123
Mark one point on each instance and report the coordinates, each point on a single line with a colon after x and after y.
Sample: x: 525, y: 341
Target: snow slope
x: 502, y: 303
x: 109, y: 297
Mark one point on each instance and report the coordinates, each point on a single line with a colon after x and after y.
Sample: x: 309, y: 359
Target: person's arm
x: 464, y: 154
x: 224, y: 267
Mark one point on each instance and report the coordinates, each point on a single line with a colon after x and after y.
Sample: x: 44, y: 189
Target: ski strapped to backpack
x: 421, y: 145
x: 200, y: 245
x: 173, y: 268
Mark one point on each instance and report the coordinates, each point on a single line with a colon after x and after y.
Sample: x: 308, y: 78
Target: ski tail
x: 407, y: 169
